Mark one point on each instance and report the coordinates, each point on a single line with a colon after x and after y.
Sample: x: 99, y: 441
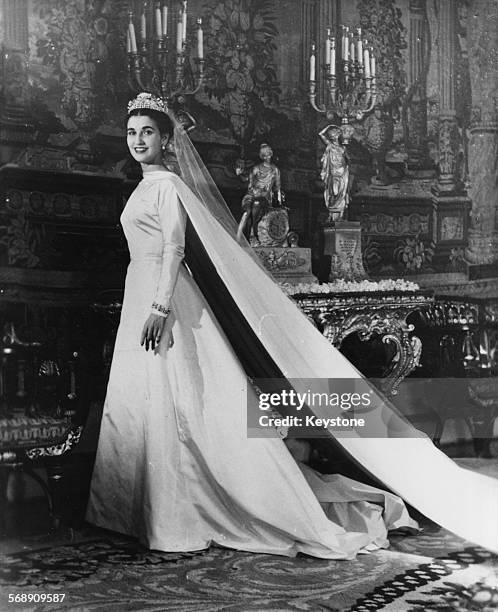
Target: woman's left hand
x: 152, y: 331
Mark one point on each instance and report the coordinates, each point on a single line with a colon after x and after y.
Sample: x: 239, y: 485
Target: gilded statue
x: 264, y: 184
x: 335, y: 173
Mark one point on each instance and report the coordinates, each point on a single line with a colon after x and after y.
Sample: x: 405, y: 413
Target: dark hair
x: 163, y: 122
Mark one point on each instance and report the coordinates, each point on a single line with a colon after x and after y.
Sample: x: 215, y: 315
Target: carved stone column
x: 483, y: 146
x: 448, y: 127
x: 451, y: 203
x: 419, y: 162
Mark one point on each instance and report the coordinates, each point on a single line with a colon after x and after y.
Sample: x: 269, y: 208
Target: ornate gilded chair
x: 41, y: 415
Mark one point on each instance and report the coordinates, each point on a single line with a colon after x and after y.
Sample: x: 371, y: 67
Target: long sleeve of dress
x: 172, y: 219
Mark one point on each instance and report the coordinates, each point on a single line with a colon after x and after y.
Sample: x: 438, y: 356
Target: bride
x: 175, y: 466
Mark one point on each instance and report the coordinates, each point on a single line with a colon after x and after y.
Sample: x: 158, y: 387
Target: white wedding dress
x: 174, y: 465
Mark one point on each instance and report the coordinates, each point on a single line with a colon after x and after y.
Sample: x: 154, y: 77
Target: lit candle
x: 179, y: 39
x: 159, y: 29
x: 346, y: 43
x: 143, y: 26
x: 200, y: 40
x: 133, y: 39
x: 327, y: 47
x: 184, y: 21
x: 332, y: 57
x: 165, y: 20
x: 359, y: 47
x: 128, y: 41
x: 312, y: 63
x: 366, y: 61
x: 372, y: 65
x: 352, y: 52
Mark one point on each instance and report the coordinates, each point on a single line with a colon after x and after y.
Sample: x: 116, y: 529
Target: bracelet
x: 162, y: 309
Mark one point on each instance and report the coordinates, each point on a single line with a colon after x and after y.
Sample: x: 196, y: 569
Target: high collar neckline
x: 152, y: 174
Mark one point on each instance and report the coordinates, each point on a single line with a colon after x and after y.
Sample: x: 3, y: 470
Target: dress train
x: 174, y: 465
x: 183, y: 474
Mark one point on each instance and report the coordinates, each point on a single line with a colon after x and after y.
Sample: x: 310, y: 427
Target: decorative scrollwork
x: 56, y: 450
x: 339, y: 316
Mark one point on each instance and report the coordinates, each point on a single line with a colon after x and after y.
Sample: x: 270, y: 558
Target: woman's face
x: 144, y: 140
x: 265, y: 153
x: 334, y: 134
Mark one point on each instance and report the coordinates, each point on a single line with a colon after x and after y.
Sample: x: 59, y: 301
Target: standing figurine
x: 335, y: 173
x: 264, y: 181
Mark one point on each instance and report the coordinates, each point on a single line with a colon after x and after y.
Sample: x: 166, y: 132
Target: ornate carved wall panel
x: 66, y: 81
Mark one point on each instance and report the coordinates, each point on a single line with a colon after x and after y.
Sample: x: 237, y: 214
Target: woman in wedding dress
x: 175, y: 467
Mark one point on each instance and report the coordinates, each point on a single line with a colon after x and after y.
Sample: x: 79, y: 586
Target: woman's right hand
x: 153, y: 332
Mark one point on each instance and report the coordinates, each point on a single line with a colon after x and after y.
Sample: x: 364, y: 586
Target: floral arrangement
x: 342, y: 286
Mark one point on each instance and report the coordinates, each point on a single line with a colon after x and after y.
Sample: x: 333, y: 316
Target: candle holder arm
x: 200, y: 79
x: 312, y: 97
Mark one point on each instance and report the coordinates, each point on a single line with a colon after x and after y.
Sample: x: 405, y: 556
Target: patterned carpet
x: 102, y: 571
x: 112, y: 573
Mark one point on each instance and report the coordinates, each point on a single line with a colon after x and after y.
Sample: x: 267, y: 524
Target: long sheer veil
x: 407, y: 462
x: 198, y: 178
x: 195, y: 174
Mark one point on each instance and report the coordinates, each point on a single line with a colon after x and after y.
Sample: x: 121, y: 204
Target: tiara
x: 149, y: 101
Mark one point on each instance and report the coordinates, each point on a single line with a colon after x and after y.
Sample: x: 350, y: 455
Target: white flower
x: 342, y: 286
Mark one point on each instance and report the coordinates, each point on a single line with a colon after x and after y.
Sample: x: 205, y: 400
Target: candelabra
x: 161, y: 63
x: 349, y: 91
x: 349, y: 77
